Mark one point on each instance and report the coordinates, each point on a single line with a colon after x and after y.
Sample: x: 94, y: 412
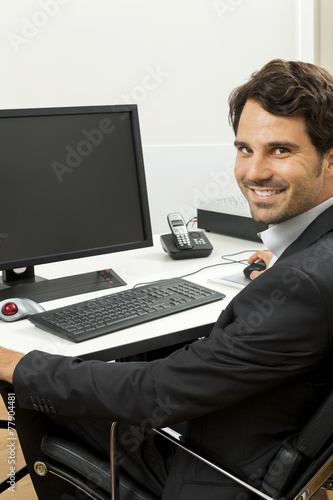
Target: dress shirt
x: 278, y: 237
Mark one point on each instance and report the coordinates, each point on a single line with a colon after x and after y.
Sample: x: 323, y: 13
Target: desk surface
x: 135, y: 266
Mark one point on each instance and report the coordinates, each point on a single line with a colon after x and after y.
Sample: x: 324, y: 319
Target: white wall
x: 177, y: 59
x: 324, y: 34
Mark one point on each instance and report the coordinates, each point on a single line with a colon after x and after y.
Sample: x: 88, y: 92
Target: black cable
x: 225, y: 257
x: 206, y: 267
x: 230, y: 261
x: 242, y: 261
x: 194, y: 219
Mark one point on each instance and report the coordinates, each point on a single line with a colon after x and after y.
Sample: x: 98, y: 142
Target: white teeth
x: 267, y: 193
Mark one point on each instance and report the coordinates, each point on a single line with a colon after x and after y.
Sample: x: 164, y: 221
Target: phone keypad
x: 183, y: 240
x: 199, y: 241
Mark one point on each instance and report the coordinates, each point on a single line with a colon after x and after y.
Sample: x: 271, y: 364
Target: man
x: 267, y: 363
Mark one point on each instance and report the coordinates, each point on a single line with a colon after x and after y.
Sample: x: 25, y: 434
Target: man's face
x: 277, y: 167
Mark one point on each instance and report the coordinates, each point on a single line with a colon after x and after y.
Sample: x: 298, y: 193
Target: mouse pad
x: 237, y: 280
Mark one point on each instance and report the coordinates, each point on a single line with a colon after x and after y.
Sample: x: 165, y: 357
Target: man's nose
x: 259, y: 168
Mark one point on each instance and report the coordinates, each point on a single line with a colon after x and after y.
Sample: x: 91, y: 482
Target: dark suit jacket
x: 243, y: 391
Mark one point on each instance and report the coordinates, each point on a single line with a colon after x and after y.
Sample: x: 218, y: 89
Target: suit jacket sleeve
x: 273, y: 331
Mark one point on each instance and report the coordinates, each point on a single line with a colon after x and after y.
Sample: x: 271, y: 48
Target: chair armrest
x: 113, y: 461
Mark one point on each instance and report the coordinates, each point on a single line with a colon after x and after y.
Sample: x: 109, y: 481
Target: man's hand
x: 8, y: 362
x: 260, y: 256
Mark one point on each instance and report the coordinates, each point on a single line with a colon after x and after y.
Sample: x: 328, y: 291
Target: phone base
x: 201, y: 246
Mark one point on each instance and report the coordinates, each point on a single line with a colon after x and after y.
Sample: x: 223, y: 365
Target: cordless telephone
x: 184, y: 244
x: 179, y: 231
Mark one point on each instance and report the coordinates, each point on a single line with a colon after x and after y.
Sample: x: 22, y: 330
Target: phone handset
x: 179, y: 230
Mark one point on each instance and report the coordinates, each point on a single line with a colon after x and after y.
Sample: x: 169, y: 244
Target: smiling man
x: 278, y: 169
x: 250, y: 386
x: 282, y: 119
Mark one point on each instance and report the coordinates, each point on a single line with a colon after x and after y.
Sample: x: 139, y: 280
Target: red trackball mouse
x: 18, y: 308
x: 9, y: 309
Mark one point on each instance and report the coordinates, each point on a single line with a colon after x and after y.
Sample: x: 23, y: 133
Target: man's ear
x: 329, y: 162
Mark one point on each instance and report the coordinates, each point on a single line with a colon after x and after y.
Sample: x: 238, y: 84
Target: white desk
x: 134, y: 266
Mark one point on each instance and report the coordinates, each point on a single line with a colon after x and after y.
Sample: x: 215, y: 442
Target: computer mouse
x: 18, y: 308
x: 256, y: 266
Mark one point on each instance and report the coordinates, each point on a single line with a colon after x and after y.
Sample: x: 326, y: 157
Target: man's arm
x: 8, y: 363
x: 264, y: 339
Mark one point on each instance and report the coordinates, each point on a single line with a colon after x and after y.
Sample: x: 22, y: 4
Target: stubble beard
x: 298, y: 203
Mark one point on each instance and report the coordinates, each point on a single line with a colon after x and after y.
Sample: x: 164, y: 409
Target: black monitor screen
x: 72, y: 184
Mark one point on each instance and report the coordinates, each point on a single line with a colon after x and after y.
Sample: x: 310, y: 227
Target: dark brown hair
x: 289, y: 88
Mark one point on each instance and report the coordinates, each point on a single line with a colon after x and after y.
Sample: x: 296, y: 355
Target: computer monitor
x: 72, y: 185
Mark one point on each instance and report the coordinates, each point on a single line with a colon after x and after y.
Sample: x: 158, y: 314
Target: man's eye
x: 245, y: 150
x: 281, y: 151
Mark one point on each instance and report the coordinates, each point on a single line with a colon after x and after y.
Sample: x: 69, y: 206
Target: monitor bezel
x: 147, y: 241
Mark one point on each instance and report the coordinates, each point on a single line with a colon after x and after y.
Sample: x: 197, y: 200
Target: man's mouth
x: 267, y: 192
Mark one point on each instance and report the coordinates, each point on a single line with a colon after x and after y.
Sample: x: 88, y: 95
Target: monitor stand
x: 26, y: 284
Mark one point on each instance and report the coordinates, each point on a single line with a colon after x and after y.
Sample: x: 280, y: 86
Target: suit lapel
x: 322, y: 225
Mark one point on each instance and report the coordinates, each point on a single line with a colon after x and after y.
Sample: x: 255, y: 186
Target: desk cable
x: 225, y: 257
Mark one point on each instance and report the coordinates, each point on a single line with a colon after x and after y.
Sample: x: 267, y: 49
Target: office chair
x: 298, y: 470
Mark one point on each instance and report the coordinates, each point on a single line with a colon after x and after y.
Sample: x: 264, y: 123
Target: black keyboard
x: 110, y: 313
